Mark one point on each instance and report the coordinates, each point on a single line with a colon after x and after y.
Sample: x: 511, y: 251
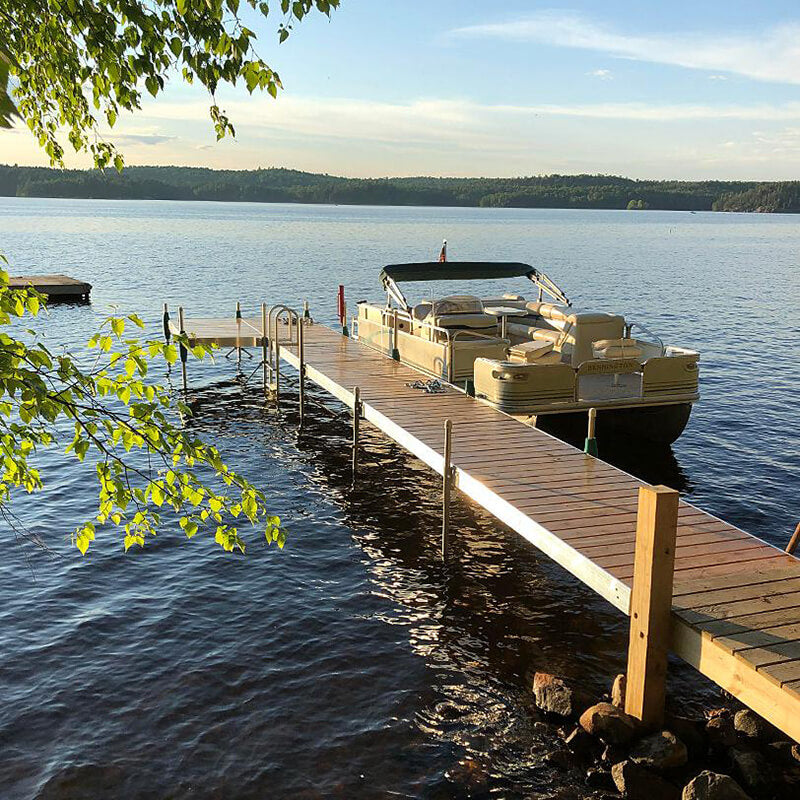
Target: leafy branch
x: 146, y: 461
x: 70, y: 62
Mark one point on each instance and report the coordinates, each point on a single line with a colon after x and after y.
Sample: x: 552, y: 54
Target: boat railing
x: 434, y: 333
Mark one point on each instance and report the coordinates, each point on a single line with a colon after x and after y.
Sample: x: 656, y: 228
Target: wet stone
x: 751, y: 725
x: 556, y: 696
x: 639, y: 783
x: 608, y: 723
x: 713, y: 786
x: 690, y: 732
x: 661, y: 751
x: 598, y: 778
x: 751, y: 769
x: 579, y: 742
x: 720, y: 732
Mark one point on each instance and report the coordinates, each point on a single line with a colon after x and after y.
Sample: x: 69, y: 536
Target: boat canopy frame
x: 392, y: 274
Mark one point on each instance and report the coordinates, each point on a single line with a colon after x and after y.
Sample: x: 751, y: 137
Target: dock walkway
x: 736, y: 599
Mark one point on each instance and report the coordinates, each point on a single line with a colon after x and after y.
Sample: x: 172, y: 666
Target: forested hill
x: 285, y: 185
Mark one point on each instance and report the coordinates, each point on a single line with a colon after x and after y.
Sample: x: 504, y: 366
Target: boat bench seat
x: 471, y: 321
x: 532, y: 332
x: 616, y: 348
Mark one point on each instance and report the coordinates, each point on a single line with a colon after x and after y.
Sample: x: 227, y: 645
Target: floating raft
x: 735, y: 608
x: 56, y: 287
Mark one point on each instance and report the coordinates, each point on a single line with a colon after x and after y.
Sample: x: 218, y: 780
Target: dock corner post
x: 306, y: 311
x: 794, y: 541
x: 395, y: 329
x: 301, y: 370
x: 590, y: 445
x: 165, y: 322
x: 651, y: 604
x: 356, y: 427
x: 183, y: 352
x: 447, y: 483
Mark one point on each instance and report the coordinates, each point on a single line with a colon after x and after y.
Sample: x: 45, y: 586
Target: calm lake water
x: 352, y: 664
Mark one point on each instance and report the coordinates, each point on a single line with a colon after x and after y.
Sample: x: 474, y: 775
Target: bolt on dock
x: 723, y: 600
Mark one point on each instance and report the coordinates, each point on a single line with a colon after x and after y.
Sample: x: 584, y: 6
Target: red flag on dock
x: 443, y: 253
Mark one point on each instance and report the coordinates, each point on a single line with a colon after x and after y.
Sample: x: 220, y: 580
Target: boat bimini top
x: 393, y: 274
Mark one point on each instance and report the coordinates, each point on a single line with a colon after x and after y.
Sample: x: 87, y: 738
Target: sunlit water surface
x: 353, y: 664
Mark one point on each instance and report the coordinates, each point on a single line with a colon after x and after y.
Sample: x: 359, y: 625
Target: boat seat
x: 535, y: 352
x: 460, y: 311
x: 532, y: 332
x: 457, y: 304
x: 616, y: 348
x: 470, y: 321
x: 549, y: 311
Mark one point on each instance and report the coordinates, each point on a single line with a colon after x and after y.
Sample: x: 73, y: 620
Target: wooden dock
x: 56, y: 287
x: 735, y: 604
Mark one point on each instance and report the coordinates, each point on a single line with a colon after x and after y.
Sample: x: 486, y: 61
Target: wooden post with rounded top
x: 447, y: 476
x: 651, y: 604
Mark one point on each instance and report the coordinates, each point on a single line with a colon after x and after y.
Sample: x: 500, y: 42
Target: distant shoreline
x: 277, y: 185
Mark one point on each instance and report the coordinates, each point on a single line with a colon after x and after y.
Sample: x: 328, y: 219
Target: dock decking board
x: 736, y: 599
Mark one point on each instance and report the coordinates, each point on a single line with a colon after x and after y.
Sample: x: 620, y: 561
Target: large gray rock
x: 713, y: 786
x: 661, y: 751
x: 749, y: 724
x: 556, y: 696
x: 638, y: 783
x: 609, y: 723
x: 751, y: 768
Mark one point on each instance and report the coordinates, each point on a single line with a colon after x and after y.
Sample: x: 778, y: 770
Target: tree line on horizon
x: 278, y: 185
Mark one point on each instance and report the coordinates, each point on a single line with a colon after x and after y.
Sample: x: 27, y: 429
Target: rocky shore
x: 728, y: 754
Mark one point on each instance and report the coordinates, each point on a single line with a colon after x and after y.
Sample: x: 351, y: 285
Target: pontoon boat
x: 539, y: 360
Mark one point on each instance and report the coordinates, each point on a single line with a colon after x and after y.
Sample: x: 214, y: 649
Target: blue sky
x: 668, y: 90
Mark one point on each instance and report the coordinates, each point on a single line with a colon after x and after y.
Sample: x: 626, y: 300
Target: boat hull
x: 661, y: 424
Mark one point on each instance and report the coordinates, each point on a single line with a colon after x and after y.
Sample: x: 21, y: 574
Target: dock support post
x: 356, y: 427
x: 794, y: 541
x: 590, y: 445
x: 165, y: 321
x: 238, y: 335
x: 306, y: 312
x: 447, y: 480
x: 184, y: 354
x: 651, y: 604
x: 277, y: 367
x: 301, y: 378
x: 395, y: 327
x: 264, y: 340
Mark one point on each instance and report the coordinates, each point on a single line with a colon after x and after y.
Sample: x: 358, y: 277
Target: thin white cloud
x: 133, y: 137
x: 602, y: 74
x: 718, y: 77
x: 770, y: 55
x: 451, y: 119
